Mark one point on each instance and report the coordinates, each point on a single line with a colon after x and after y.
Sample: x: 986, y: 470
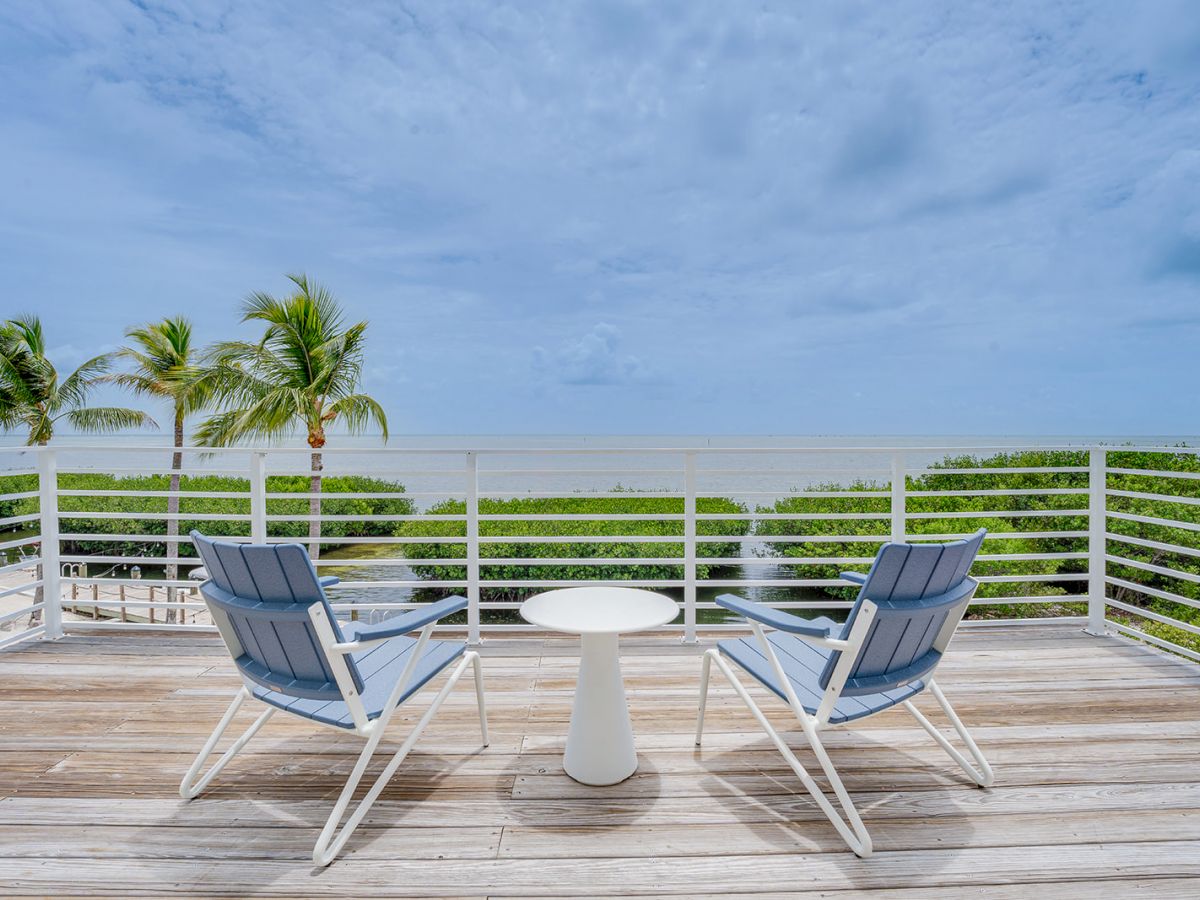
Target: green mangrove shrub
x: 515, y: 539
x: 199, y: 500
x: 935, y: 507
x: 1185, y: 558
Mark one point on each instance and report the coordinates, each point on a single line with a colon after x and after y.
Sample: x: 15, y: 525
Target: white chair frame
x: 851, y: 827
x: 331, y: 840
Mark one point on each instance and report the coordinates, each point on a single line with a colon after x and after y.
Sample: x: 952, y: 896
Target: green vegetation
x: 530, y: 549
x: 1033, y: 512
x: 1185, y: 558
x: 164, y: 366
x: 663, y: 555
x: 204, y: 504
x: 305, y: 372
x: 33, y: 398
x: 878, y: 525
x: 942, y: 511
x: 946, y: 512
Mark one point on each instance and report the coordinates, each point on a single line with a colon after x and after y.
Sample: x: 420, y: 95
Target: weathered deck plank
x: 1095, y: 744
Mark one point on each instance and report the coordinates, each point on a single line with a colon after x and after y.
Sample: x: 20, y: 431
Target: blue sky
x: 678, y: 217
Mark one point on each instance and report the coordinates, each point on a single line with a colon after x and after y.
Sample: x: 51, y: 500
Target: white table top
x: 599, y: 610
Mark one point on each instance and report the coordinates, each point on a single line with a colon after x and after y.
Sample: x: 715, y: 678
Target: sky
x: 618, y: 218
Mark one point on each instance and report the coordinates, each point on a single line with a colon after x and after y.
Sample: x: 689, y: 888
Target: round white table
x: 600, y: 740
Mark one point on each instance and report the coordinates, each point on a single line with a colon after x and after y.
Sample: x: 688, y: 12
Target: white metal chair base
x: 332, y: 840
x: 192, y: 786
x: 848, y: 823
x: 983, y: 775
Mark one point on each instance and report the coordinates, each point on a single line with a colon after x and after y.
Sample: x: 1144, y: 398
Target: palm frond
x: 137, y: 384
x: 75, y: 387
x: 26, y: 370
x: 16, y: 415
x: 227, y: 351
x: 105, y: 419
x: 272, y: 416
x: 30, y: 329
x: 15, y: 369
x: 27, y: 380
x: 31, y: 395
x: 343, y: 356
x: 303, y: 373
x: 163, y: 363
x: 265, y: 308
x: 356, y: 412
x: 219, y: 430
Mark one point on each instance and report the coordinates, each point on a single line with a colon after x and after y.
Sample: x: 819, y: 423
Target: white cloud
x: 595, y: 358
x: 751, y: 194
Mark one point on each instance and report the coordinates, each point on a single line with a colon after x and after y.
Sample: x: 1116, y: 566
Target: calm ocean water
x: 418, y: 461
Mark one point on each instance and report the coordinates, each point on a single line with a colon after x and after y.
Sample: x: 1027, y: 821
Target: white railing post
x: 1097, y: 542
x: 899, y: 495
x: 689, y: 548
x: 258, y: 497
x: 472, y: 475
x: 48, y: 511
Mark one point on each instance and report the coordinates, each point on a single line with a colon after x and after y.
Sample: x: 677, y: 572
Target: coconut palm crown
x: 164, y: 366
x: 32, y: 396
x: 304, y: 374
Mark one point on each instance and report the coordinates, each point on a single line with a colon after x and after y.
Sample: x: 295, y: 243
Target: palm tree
x: 164, y: 367
x: 33, y: 397
x: 305, y: 372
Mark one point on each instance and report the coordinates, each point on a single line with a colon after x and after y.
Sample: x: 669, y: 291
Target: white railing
x: 27, y: 570
x: 1068, y: 534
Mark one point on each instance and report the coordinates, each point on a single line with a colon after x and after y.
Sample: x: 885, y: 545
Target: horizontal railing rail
x: 1149, y: 533
x: 1105, y: 535
x: 27, y: 563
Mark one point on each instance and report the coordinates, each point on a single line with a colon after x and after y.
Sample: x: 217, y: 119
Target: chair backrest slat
x: 917, y: 589
x: 260, y: 596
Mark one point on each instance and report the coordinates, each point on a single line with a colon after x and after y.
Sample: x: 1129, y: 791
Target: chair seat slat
x: 908, y: 585
x: 266, y: 595
x: 790, y: 650
x: 437, y: 655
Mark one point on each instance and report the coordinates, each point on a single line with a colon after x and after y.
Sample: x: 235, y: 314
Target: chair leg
x: 851, y: 828
x: 477, y: 663
x: 191, y: 787
x: 705, y: 670
x: 331, y: 840
x: 983, y: 775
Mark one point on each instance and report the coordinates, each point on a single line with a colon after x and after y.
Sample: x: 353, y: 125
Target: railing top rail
x: 625, y: 450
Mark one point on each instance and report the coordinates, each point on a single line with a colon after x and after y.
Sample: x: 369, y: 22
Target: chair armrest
x: 859, y: 578
x: 329, y: 580
x: 772, y: 617
x: 410, y: 621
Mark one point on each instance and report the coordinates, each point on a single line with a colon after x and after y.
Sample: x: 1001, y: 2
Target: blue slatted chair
x: 295, y: 657
x: 908, y: 608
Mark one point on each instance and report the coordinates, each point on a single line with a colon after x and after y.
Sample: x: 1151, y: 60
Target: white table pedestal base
x: 600, y: 741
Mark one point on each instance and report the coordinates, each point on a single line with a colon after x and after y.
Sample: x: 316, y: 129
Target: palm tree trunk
x: 172, y: 569
x: 314, y: 506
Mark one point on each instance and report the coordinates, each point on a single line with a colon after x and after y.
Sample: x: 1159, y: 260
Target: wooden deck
x: 1095, y: 742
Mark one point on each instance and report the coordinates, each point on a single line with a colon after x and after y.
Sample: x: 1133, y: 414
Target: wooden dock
x: 1095, y: 743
